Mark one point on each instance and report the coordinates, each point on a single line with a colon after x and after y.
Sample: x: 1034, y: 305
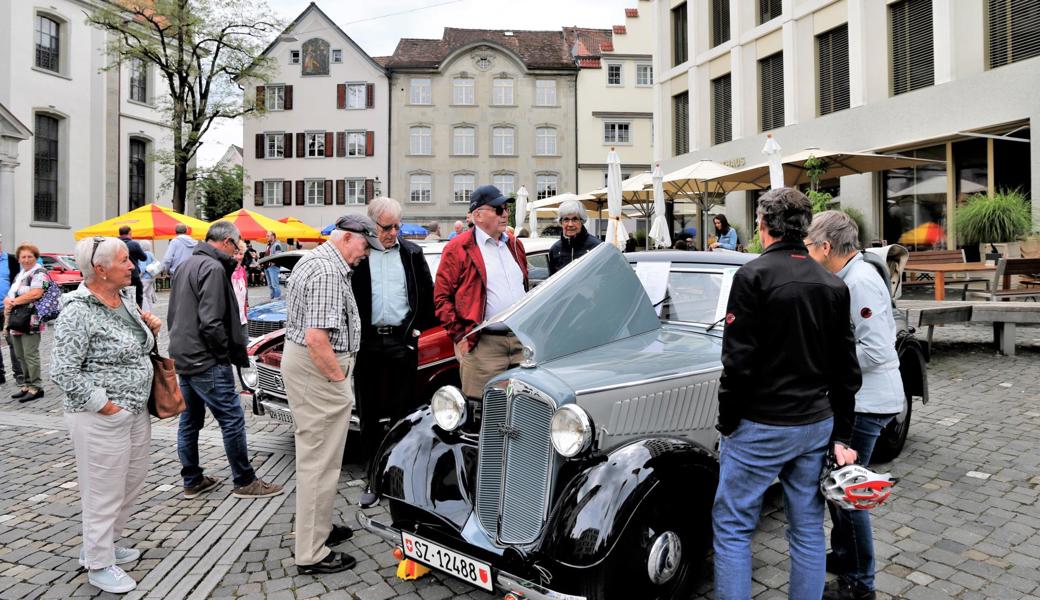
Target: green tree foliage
x: 221, y: 192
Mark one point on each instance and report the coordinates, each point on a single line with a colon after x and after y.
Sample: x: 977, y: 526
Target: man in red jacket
x: 482, y: 272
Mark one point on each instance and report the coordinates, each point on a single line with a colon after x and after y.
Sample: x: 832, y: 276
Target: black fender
x: 913, y: 368
x: 423, y: 466
x: 592, y: 511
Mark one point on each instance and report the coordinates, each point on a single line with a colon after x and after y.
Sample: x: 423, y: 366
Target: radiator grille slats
x: 673, y: 410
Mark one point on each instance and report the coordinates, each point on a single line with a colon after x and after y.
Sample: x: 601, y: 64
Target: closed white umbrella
x: 521, y: 210
x: 616, y: 232
x: 776, y: 167
x: 659, y: 231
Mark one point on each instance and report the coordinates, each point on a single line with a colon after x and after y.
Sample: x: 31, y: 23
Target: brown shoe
x: 207, y: 484
x: 258, y: 489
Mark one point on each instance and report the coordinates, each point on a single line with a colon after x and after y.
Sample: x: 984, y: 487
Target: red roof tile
x: 537, y: 49
x: 606, y: 46
x: 381, y: 60
x: 619, y: 29
x: 631, y: 12
x: 586, y: 44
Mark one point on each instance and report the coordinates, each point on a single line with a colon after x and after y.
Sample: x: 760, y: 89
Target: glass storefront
x: 914, y: 209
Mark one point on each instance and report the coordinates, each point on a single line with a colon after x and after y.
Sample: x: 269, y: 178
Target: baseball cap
x: 486, y: 195
x: 360, y: 224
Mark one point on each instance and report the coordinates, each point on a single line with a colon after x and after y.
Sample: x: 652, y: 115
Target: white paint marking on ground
x: 68, y: 485
x: 38, y: 497
x: 978, y: 475
x: 50, y: 432
x: 164, y: 487
x: 1005, y: 385
x: 5, y: 518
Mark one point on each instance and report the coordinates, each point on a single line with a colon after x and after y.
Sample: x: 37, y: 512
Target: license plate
x: 448, y: 561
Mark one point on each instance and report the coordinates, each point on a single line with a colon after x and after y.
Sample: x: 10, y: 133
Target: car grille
x: 516, y: 459
x: 679, y: 409
x: 261, y: 328
x: 269, y: 380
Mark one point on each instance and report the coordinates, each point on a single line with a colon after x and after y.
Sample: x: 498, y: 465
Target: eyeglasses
x: 499, y: 210
x: 97, y: 242
x: 389, y: 227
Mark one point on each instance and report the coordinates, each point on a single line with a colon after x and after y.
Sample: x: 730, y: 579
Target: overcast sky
x: 395, y: 19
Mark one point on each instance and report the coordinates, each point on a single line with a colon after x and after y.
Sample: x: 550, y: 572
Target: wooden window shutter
x: 341, y: 143
x: 286, y: 193
x: 832, y: 70
x: 721, y: 110
x: 259, y: 145
x: 341, y: 95
x: 329, y: 141
x: 911, y: 49
x: 719, y: 22
x: 258, y: 194
x: 288, y: 145
x: 681, y: 123
x: 370, y: 143
x: 301, y: 145
x: 370, y: 95
x: 288, y: 97
x: 771, y: 92
x: 328, y: 192
x: 260, y: 95
x: 301, y: 193
x: 341, y: 191
x: 1013, y: 28
x: 370, y: 190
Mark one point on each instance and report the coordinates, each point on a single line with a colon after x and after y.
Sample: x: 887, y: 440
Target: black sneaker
x: 333, y: 563
x: 207, y: 484
x: 843, y: 589
x: 31, y: 395
x: 18, y: 395
x: 338, y: 535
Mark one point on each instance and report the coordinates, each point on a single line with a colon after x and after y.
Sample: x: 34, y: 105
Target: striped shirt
x: 320, y: 297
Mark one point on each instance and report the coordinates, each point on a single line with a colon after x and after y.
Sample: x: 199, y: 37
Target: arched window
x: 46, y: 168
x: 48, y: 43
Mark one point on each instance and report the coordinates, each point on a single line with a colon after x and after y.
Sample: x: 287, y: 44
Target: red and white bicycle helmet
x: 855, y: 487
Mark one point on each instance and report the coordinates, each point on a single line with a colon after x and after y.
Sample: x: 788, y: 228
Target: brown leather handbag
x: 166, y: 399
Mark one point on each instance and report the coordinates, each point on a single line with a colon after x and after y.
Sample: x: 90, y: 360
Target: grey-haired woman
x: 100, y: 361
x: 575, y: 241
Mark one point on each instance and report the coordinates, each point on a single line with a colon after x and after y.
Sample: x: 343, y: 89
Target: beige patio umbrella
x: 704, y: 182
x: 836, y: 164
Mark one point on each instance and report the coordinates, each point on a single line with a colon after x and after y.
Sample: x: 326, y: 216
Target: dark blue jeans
x: 272, y: 281
x: 852, y: 539
x: 215, y: 389
x: 751, y: 458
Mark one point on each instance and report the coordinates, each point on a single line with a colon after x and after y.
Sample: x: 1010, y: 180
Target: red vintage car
x: 63, y: 270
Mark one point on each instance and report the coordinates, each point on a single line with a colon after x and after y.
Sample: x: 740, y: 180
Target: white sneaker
x: 111, y: 579
x: 123, y: 556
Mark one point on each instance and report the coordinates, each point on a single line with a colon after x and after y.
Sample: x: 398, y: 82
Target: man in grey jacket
x: 206, y: 339
x: 179, y: 250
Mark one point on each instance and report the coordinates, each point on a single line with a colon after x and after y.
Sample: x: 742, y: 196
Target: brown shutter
x: 341, y: 95
x: 370, y: 143
x: 258, y: 194
x: 260, y: 96
x: 300, y: 193
x: 328, y: 144
x: 370, y: 190
x: 301, y: 145
x: 288, y: 145
x: 328, y: 192
x: 288, y: 97
x: 259, y: 145
x: 370, y: 95
x: 286, y: 193
x: 341, y: 143
x: 341, y: 191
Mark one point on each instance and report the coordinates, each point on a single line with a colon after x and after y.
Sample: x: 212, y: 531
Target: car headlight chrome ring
x: 449, y: 408
x: 249, y: 374
x: 571, y: 430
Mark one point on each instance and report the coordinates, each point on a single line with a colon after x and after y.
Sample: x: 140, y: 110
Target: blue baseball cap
x: 486, y: 195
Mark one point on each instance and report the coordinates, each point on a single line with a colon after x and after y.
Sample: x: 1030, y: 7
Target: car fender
x: 913, y: 369
x: 597, y: 504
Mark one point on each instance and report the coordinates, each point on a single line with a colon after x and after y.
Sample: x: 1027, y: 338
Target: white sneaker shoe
x: 123, y: 556
x: 111, y: 579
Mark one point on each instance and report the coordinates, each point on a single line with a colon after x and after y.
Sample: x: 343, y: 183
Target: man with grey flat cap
x: 323, y: 333
x: 482, y: 272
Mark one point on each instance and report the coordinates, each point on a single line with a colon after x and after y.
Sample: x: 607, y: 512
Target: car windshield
x: 69, y: 262
x: 692, y: 297
x: 433, y: 260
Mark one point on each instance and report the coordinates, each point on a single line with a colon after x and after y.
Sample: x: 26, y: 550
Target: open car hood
x: 285, y: 259
x: 591, y: 302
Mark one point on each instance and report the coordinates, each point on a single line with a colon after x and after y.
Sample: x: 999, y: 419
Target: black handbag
x: 20, y: 319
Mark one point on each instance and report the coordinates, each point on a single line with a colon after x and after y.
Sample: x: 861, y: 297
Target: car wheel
x: 893, y: 437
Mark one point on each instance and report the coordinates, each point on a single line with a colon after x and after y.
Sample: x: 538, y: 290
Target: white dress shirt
x: 505, y: 280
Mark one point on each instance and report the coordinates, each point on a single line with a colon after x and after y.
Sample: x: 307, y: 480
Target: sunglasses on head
x: 97, y: 242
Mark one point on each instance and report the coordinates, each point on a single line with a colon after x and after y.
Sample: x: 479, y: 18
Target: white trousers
x: 112, y: 457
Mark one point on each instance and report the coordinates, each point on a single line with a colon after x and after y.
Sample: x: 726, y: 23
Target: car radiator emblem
x: 508, y: 432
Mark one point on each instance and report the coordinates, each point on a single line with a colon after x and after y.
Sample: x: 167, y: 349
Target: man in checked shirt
x: 323, y: 332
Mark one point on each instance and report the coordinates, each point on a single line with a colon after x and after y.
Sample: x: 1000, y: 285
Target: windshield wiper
x: 712, y: 326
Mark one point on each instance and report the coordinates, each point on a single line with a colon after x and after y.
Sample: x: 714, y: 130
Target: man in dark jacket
x: 787, y: 395
x: 394, y: 295
x: 9, y: 268
x: 575, y: 241
x: 206, y: 339
x: 136, y: 255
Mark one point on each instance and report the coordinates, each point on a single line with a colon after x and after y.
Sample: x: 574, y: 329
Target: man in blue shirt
x: 8, y: 269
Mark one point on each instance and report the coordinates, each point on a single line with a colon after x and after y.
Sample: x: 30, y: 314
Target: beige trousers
x: 321, y: 412
x: 493, y: 355
x: 112, y: 457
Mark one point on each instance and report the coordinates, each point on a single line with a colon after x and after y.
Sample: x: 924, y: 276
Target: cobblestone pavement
x: 965, y: 524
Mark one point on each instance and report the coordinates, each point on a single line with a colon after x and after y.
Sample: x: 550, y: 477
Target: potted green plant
x: 997, y: 223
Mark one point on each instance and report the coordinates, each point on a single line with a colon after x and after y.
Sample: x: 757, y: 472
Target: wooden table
x: 941, y: 269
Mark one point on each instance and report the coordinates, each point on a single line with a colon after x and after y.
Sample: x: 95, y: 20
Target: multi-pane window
x: 315, y: 192
x: 545, y: 92
x: 463, y: 185
x: 771, y: 86
x: 294, y: 57
x: 273, y: 192
x: 421, y: 91
x: 912, y: 52
x: 275, y: 145
x: 832, y: 70
x: 464, y: 141
x: 680, y: 35
x: 48, y: 43
x: 355, y: 191
x: 356, y: 95
x: 768, y: 10
x: 316, y: 144
x: 681, y: 123
x: 503, y: 141
x: 502, y: 92
x: 719, y: 22
x: 546, y: 186
x: 420, y: 188
x: 137, y: 173
x: 614, y: 74
x: 545, y: 141
x: 721, y: 110
x: 274, y: 97
x: 138, y: 80
x: 420, y: 140
x: 616, y: 133
x: 462, y: 91
x: 505, y: 182
x: 337, y: 56
x: 1013, y: 31
x: 644, y: 74
x: 45, y: 169
x: 355, y: 143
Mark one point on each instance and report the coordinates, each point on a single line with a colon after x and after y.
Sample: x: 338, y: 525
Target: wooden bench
x: 1004, y: 317
x: 939, y: 257
x: 1002, y: 288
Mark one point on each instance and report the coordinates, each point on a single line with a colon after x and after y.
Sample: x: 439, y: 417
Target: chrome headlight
x: 449, y: 408
x: 248, y: 374
x: 571, y: 430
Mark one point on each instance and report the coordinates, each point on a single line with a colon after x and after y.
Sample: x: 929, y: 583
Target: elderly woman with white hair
x: 100, y: 361
x: 575, y: 241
